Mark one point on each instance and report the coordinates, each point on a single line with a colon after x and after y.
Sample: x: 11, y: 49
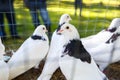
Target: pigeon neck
x: 60, y: 26
x: 113, y: 38
x: 111, y: 30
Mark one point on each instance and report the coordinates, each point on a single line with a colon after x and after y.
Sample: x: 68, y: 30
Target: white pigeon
x: 4, y: 69
x: 30, y: 53
x: 51, y: 63
x: 102, y: 36
x: 75, y: 62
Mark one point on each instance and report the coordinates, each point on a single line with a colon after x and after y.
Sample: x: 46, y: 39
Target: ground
x: 112, y: 72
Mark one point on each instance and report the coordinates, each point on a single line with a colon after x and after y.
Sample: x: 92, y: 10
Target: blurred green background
x: 96, y: 15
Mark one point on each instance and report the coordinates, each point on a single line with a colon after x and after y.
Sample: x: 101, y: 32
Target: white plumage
x: 75, y: 62
x: 30, y: 53
x: 97, y: 47
x: 102, y: 36
x: 4, y: 70
x: 102, y: 54
x: 51, y: 63
x: 107, y: 53
x: 114, y: 55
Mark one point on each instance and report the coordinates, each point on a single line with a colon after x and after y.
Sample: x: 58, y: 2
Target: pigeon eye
x: 67, y: 16
x: 67, y: 27
x: 43, y: 28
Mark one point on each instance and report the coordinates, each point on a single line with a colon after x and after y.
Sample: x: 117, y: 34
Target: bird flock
x: 78, y: 58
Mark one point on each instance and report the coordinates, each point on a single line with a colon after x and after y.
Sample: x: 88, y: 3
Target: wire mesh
x: 95, y: 16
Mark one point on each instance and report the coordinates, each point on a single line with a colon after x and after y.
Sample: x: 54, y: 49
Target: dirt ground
x: 112, y: 72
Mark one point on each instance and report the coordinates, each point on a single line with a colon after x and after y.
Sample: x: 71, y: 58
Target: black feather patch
x: 77, y: 50
x: 59, y: 26
x: 113, y: 38
x: 112, y: 30
x: 36, y: 37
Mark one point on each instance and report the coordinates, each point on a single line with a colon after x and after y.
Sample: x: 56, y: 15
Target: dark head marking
x: 112, y: 30
x: 113, y: 38
x: 36, y: 37
x: 59, y: 26
x: 77, y: 50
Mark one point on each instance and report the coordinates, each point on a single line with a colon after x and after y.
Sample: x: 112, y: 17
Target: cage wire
x: 25, y: 26
x: 105, y: 22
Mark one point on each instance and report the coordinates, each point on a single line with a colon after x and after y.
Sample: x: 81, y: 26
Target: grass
x: 96, y: 15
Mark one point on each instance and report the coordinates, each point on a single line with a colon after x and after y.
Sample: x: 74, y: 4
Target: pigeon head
x: 114, y: 25
x: 40, y: 30
x: 69, y: 31
x: 65, y: 18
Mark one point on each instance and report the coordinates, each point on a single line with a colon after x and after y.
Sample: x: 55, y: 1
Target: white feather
x: 74, y: 69
x: 105, y: 54
x: 102, y: 54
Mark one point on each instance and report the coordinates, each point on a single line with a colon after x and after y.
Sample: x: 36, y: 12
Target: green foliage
x: 96, y: 15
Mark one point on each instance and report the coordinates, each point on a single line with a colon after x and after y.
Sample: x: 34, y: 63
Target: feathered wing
x: 91, y: 36
x: 96, y: 40
x: 81, y: 64
x: 27, y: 56
x: 102, y: 36
x: 102, y: 54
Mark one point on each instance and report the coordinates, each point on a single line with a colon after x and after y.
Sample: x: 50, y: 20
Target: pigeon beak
x: 46, y: 30
x: 60, y: 31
